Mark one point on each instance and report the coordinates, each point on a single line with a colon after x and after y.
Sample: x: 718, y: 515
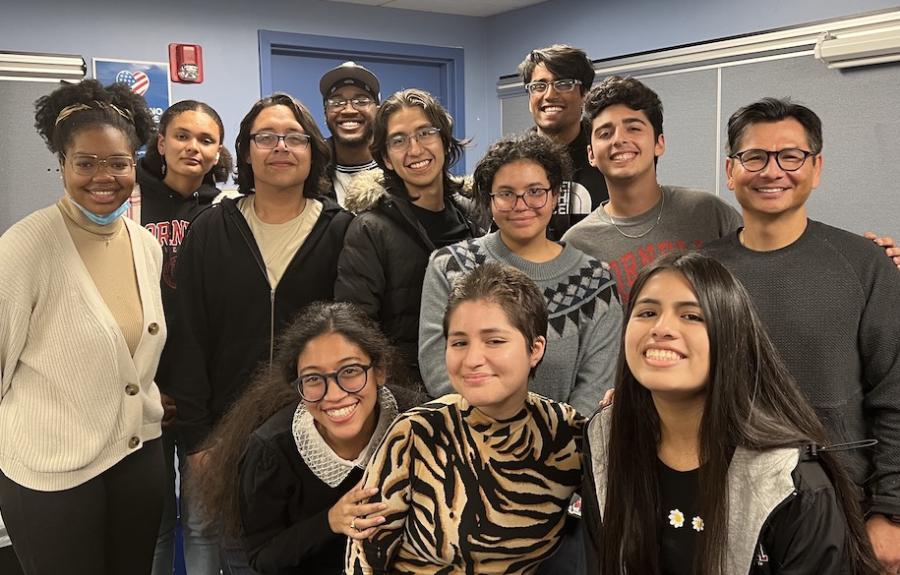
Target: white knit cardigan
x: 73, y: 400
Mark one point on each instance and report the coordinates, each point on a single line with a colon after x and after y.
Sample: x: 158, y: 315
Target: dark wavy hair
x: 439, y: 118
x: 770, y: 110
x: 152, y: 162
x: 89, y: 104
x: 563, y: 62
x: 629, y: 92
x: 752, y: 401
x: 516, y: 294
x: 532, y: 147
x: 272, y: 389
x: 320, y: 151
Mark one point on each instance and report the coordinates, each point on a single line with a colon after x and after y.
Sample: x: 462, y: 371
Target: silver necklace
x: 662, y: 206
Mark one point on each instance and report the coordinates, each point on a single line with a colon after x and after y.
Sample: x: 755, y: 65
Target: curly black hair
x: 90, y: 104
x: 629, y: 92
x: 532, y: 147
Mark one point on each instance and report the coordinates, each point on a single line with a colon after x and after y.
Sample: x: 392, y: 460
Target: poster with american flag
x: 149, y: 79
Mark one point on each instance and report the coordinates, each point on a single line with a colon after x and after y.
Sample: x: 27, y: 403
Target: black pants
x: 106, y: 526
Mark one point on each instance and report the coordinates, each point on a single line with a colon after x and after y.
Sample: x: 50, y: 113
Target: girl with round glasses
x: 81, y: 332
x: 518, y: 182
x: 405, y: 211
x: 710, y: 460
x: 284, y: 476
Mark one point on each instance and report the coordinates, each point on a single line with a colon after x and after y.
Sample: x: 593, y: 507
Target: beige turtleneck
x: 106, y: 253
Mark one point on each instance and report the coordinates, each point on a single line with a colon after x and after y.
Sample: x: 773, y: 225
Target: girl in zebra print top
x: 478, y: 481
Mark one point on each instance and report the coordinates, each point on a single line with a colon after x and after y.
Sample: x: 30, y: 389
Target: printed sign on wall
x: 149, y: 79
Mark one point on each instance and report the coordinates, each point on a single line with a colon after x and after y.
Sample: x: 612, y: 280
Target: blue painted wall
x: 143, y: 30
x: 493, y: 46
x: 606, y: 28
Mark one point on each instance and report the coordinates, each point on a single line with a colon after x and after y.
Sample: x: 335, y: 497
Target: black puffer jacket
x: 383, y: 263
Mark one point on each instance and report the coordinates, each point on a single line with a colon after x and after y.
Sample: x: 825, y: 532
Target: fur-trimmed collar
x: 367, y: 187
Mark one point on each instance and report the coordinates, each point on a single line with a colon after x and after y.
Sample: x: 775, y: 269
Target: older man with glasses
x: 556, y: 79
x: 828, y: 298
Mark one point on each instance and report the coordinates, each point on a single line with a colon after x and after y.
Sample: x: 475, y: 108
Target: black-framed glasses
x: 356, y: 103
x: 534, y: 198
x: 540, y: 86
x: 269, y: 140
x: 401, y: 142
x: 351, y: 378
x: 88, y: 164
x: 788, y: 159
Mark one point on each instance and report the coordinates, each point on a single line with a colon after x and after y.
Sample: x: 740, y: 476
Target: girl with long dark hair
x: 710, y: 461
x: 289, y: 454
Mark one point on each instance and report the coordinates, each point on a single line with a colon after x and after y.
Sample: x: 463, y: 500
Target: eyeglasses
x: 506, y: 200
x: 540, y: 86
x: 88, y: 164
x: 351, y: 378
x: 788, y: 159
x: 357, y: 103
x: 269, y: 140
x: 401, y: 142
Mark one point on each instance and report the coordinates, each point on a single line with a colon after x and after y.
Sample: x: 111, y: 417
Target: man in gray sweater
x: 642, y: 219
x: 828, y: 298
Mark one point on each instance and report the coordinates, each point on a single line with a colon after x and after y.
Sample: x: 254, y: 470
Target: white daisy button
x: 676, y: 518
x: 697, y: 524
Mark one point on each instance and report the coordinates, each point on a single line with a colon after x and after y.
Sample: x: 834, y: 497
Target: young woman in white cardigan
x: 81, y: 331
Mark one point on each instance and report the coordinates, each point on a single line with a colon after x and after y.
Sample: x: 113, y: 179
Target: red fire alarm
x: 186, y: 63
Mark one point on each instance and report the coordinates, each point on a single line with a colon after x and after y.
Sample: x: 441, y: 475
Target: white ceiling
x: 458, y: 7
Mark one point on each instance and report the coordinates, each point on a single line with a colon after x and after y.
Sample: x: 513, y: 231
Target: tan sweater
x: 73, y: 399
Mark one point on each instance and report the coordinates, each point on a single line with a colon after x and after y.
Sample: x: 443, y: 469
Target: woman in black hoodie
x: 176, y: 181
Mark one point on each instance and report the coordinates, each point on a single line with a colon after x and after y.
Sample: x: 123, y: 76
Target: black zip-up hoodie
x: 228, y: 315
x: 167, y: 215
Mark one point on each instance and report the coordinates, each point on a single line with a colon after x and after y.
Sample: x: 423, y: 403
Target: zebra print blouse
x: 470, y: 494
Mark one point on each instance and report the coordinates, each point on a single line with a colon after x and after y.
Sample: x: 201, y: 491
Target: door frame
x: 449, y: 60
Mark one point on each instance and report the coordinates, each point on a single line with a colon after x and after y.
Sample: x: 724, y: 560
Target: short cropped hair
x: 774, y: 110
x: 563, y: 62
x: 516, y: 294
x: 629, y: 92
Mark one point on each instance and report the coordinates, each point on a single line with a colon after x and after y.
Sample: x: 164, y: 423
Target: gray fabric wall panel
x: 861, y: 127
x: 29, y: 172
x: 689, y: 126
x: 514, y: 115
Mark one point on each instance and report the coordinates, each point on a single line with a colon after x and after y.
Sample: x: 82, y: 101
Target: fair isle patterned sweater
x: 583, y: 329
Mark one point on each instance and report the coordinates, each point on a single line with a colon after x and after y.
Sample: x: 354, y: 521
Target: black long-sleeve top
x: 284, y: 506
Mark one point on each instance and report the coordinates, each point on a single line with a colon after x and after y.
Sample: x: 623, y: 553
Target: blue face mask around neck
x: 103, y: 220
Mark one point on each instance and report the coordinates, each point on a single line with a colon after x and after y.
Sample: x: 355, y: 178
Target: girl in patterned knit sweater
x: 518, y: 181
x: 478, y: 481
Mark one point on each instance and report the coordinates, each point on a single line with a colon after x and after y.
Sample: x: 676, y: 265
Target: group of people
x: 368, y: 365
